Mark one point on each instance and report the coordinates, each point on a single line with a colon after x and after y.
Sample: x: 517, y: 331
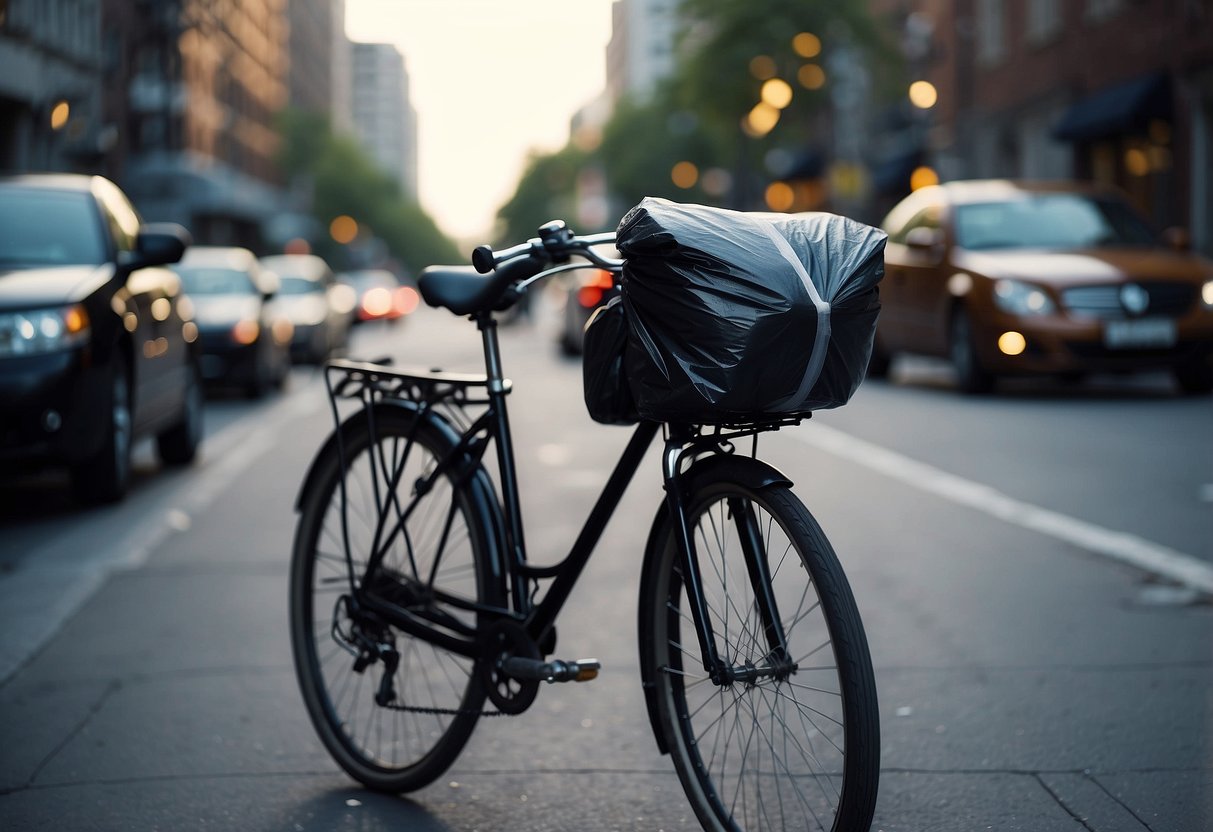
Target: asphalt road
x: 1030, y: 568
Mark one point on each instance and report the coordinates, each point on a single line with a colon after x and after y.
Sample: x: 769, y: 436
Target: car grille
x: 1169, y: 299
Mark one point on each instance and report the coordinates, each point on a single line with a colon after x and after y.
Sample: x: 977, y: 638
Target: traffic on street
x: 1033, y: 571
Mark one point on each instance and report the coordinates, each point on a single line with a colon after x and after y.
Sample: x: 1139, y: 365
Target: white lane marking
x: 1127, y: 548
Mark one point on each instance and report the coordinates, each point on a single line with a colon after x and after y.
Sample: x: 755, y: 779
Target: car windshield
x: 49, y: 228
x: 292, y: 285
x: 201, y: 280
x: 1050, y: 221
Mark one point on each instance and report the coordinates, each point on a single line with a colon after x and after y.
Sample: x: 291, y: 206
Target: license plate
x: 1149, y: 332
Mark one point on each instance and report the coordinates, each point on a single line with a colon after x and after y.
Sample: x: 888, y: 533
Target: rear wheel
x: 796, y: 748
x: 342, y: 651
x: 179, y: 444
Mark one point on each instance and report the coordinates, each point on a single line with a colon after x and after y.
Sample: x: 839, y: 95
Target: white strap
x: 820, y: 342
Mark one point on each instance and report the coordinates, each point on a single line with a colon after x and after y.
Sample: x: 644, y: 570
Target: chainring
x: 503, y: 640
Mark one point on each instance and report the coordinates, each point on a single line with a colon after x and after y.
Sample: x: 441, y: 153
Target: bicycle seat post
x: 510, y: 494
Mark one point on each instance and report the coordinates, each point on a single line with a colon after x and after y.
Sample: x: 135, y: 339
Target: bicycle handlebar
x: 555, y: 244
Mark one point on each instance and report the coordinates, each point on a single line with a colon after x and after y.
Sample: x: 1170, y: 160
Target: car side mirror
x: 157, y: 244
x: 1178, y: 238
x: 926, y: 241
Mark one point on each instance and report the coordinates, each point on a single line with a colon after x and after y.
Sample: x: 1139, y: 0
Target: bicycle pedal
x: 581, y: 670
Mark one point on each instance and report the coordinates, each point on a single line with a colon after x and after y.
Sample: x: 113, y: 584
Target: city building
x: 50, y: 90
x: 204, y: 81
x: 383, y: 116
x: 641, y: 50
x: 1118, y: 92
x: 311, y: 79
x: 342, y: 108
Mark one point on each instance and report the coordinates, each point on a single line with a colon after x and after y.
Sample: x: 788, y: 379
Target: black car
x: 95, y: 350
x: 244, y: 333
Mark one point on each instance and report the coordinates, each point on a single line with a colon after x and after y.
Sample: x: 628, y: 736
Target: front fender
x: 751, y: 473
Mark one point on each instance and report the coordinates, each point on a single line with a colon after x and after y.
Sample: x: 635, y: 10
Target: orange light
x: 923, y: 177
x: 807, y: 45
x: 811, y: 77
x: 923, y: 95
x: 780, y: 196
x: 283, y: 330
x: 343, y: 229
x: 246, y: 332
x: 297, y: 245
x: 777, y: 93
x: 762, y: 67
x: 1012, y: 343
x: 760, y: 120
x: 685, y: 174
x: 60, y: 114
x: 76, y: 320
x: 589, y: 296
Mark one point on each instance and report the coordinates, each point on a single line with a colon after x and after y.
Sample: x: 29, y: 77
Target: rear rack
x: 369, y: 379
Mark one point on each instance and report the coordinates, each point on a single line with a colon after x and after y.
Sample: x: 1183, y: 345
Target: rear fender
x: 752, y: 473
x: 477, y: 483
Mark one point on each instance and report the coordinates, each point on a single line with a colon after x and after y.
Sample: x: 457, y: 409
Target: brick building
x: 1115, y: 91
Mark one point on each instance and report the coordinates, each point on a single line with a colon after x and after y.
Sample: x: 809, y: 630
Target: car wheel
x: 179, y: 444
x: 1194, y: 377
x: 105, y: 477
x: 971, y: 377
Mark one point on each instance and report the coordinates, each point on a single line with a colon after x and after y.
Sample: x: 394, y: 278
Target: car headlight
x: 1018, y: 298
x: 1206, y: 293
x: 40, y: 331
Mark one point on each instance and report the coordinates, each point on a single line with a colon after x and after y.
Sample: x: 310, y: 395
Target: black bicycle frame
x: 539, y: 619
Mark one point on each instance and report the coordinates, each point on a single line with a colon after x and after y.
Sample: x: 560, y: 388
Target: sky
x: 490, y: 80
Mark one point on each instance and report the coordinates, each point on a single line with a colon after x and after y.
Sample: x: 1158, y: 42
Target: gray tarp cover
x: 733, y: 316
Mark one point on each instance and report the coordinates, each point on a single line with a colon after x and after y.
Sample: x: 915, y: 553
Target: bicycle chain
x: 417, y: 709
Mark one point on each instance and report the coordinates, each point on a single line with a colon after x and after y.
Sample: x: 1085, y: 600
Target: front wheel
x: 971, y: 376
x: 794, y: 741
x: 392, y: 709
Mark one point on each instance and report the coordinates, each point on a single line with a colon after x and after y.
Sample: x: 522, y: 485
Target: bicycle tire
x: 803, y: 752
x: 387, y: 748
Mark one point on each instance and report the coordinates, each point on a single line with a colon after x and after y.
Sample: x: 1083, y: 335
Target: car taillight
x: 405, y: 300
x: 591, y: 294
x: 246, y: 331
x: 376, y: 303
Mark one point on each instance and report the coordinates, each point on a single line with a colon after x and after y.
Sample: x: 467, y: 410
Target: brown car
x: 1008, y: 278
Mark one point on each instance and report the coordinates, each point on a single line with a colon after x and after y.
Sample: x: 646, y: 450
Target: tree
x: 343, y: 180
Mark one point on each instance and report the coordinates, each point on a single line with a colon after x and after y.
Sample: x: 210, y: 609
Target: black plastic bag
x: 607, y: 395
x: 738, y: 317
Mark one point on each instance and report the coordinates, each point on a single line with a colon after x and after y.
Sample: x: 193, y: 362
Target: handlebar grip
x: 482, y: 259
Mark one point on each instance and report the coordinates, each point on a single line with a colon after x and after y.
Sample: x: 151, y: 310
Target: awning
x: 1115, y: 110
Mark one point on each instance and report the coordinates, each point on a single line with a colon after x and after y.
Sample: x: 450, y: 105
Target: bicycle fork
x: 722, y: 672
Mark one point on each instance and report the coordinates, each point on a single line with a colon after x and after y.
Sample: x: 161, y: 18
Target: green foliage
x: 696, y: 116
x: 545, y: 192
x: 343, y: 179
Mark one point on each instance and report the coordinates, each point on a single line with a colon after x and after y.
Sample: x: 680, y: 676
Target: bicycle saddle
x: 460, y: 289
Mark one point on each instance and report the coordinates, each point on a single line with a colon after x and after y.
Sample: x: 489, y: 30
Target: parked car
x: 585, y: 291
x: 1008, y: 278
x: 96, y: 343
x: 379, y: 296
x: 318, y: 306
x: 244, y: 333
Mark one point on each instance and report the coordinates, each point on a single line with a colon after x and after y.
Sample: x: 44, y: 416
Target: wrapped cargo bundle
x: 735, y: 317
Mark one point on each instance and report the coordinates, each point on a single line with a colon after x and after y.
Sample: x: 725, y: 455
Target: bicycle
x: 413, y: 602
